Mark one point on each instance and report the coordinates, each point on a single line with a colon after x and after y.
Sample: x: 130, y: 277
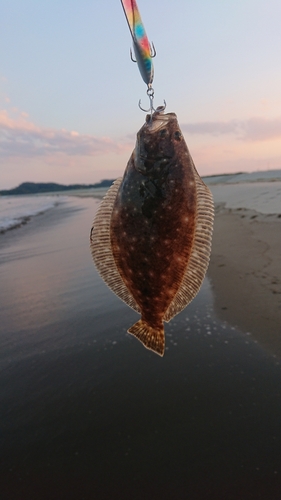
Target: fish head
x: 158, y: 142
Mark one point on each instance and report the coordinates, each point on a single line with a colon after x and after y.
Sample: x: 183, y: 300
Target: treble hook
x: 131, y: 55
x: 150, y: 93
x: 152, y: 52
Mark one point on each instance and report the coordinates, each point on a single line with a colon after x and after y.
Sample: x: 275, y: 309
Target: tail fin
x: 152, y: 338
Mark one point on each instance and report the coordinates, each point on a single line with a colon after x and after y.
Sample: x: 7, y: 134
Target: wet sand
x: 245, y: 271
x: 87, y: 413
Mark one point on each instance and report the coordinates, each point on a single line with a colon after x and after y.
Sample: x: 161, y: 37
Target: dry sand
x: 245, y: 268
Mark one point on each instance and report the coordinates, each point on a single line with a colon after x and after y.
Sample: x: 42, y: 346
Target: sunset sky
x: 69, y: 91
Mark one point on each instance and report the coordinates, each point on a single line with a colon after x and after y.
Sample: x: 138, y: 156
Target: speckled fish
x: 151, y: 237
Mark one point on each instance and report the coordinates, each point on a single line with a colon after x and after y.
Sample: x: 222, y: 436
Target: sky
x: 69, y: 92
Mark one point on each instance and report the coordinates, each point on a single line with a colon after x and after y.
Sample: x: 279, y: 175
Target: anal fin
x: 151, y: 337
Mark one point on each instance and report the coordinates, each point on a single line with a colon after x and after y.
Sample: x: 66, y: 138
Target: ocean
x: 17, y: 210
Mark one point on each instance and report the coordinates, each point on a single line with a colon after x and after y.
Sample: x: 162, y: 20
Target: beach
x: 87, y: 413
x: 245, y: 262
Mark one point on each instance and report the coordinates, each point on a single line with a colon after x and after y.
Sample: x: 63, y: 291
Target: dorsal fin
x: 200, y: 254
x: 100, y: 243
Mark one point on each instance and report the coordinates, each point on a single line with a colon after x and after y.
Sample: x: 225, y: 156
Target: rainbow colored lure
x: 142, y: 47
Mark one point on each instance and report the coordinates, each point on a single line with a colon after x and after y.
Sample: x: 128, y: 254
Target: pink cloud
x: 262, y: 129
x: 19, y: 123
x: 22, y: 138
x: 211, y: 128
x: 253, y: 129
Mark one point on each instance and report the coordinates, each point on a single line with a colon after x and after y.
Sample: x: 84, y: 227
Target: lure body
x: 142, y: 48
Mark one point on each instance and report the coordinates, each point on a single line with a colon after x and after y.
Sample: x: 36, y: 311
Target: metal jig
x: 144, y: 51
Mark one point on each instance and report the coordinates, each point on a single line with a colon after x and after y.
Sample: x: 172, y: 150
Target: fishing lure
x: 144, y: 51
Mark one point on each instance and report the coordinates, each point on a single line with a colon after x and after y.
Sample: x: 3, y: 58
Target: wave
x: 17, y: 210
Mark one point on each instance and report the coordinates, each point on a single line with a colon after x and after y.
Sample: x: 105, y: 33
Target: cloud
x: 253, y: 129
x: 262, y: 129
x: 212, y: 128
x: 19, y: 137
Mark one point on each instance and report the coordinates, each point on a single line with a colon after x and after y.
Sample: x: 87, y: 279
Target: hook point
x: 131, y: 55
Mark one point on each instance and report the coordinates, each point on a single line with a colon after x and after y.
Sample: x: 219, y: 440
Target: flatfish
x: 151, y: 237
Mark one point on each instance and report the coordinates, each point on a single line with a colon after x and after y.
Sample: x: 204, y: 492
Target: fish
x: 151, y: 236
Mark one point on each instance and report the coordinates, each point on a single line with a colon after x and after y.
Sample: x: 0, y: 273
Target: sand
x: 245, y: 273
x: 245, y: 266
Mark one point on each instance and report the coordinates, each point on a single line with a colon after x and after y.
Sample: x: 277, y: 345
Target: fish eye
x: 163, y: 132
x: 177, y: 135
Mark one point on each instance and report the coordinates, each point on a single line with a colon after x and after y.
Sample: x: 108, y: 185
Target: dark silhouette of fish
x: 151, y: 237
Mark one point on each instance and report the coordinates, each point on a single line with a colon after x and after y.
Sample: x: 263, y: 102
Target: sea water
x: 16, y: 210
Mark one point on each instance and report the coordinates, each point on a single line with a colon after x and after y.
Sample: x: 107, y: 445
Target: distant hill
x: 49, y: 187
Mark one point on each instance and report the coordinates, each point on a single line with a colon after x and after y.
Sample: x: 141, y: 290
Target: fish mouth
x: 158, y: 120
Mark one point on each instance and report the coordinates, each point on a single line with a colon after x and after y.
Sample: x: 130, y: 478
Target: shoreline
x: 245, y: 258
x: 244, y: 268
